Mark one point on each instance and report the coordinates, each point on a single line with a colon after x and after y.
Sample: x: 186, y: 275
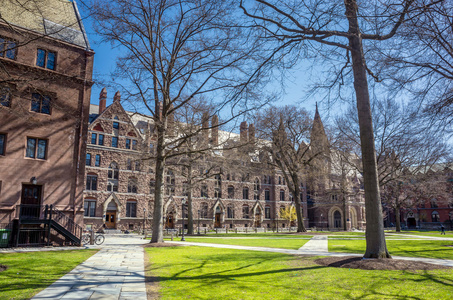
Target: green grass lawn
x: 206, y: 273
x: 422, y: 248
x: 30, y: 272
x: 263, y: 235
x: 285, y: 243
x: 425, y: 233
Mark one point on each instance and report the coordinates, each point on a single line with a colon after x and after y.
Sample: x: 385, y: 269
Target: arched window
x: 113, y: 173
x: 116, y: 125
x: 131, y: 209
x: 267, y: 195
x: 230, y: 211
x: 435, y: 216
x: 282, y: 195
x: 256, y: 189
x: 230, y: 192
x: 245, y: 211
x: 267, y: 212
x: 204, y: 210
x: 204, y: 191
x: 245, y: 193
x: 434, y: 203
x: 132, y: 185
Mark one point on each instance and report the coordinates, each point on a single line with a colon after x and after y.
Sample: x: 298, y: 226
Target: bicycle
x: 98, y: 239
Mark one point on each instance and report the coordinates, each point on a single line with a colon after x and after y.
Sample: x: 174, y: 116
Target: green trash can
x: 4, y: 237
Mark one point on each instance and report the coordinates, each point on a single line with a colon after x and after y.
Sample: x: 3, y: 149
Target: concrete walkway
x: 318, y: 243
x: 115, y: 272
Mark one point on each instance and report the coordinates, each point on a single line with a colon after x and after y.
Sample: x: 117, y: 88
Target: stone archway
x: 170, y: 214
x: 219, y: 214
x: 112, y: 211
x: 335, y: 217
x: 353, y: 214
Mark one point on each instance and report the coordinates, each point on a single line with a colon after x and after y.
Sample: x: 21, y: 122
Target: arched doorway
x: 218, y: 217
x: 337, y: 219
x: 354, y: 224
x: 170, y: 222
x: 110, y: 215
x: 258, y: 216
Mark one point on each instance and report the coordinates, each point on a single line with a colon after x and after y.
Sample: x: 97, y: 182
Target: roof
x: 59, y: 19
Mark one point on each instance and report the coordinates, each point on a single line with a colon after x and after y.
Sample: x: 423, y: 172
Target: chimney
x: 117, y: 96
x: 102, y: 100
x: 252, y: 133
x: 243, y: 131
x: 205, y: 126
x: 215, y: 130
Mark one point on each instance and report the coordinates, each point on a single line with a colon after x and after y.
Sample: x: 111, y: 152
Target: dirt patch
x: 354, y: 262
x: 159, y: 245
x: 3, y: 268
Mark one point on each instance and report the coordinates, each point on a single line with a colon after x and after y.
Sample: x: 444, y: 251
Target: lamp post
x: 144, y: 220
x: 183, y: 203
x: 198, y: 227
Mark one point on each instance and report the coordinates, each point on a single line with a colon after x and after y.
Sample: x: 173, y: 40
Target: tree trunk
x: 189, y: 212
x: 299, y: 210
x: 398, y: 217
x: 157, y: 233
x: 375, y: 238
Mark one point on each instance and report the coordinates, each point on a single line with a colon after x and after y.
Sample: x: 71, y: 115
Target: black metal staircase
x: 40, y: 224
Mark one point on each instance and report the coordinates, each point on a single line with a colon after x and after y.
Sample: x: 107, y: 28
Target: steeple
x: 318, y: 135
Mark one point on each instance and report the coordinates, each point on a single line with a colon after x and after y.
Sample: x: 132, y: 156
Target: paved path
x: 115, y: 272
x: 318, y: 243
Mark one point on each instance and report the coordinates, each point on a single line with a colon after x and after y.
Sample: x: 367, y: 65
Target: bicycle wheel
x: 99, y: 239
x: 85, y: 239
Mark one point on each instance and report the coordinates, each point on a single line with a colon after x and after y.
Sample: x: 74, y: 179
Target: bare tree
x: 176, y: 51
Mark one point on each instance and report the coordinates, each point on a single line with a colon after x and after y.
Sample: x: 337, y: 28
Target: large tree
x: 299, y: 25
x: 175, y: 52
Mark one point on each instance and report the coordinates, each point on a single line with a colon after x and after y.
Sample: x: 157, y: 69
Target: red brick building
x: 45, y: 75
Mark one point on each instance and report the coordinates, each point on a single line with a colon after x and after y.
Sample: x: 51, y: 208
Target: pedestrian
x: 442, y: 229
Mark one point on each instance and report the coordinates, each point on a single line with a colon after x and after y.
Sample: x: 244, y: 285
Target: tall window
x: 114, y: 142
x: 92, y: 183
x: 282, y: 195
x: 101, y: 140
x: 218, y: 187
x: 267, y: 212
x: 256, y: 189
x: 89, y: 207
x: 40, y: 103
x: 45, y: 59
x: 7, y: 48
x: 128, y: 143
x: 152, y: 186
x: 434, y: 203
x: 88, y: 159
x: 93, y: 138
x: 131, y: 209
x: 132, y: 185
x: 245, y: 193
x: 204, y: 191
x: 134, y: 145
x: 2, y: 144
x: 204, y: 210
x: 230, y: 212
x: 97, y: 161
x: 36, y: 148
x: 116, y: 125
x: 435, y: 216
x: 230, y: 192
x: 245, y: 211
x: 113, y: 173
x: 170, y: 178
x: 5, y: 96
x: 129, y: 164
x: 279, y: 179
x: 267, y: 195
x: 137, y: 166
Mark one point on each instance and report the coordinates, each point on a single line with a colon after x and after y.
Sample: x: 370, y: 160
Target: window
x: 45, y: 59
x: 5, y: 96
x: 230, y: 212
x: 88, y: 160
x: 267, y: 195
x: 204, y: 191
x: 93, y: 138
x: 256, y: 189
x: 137, y: 166
x: 132, y: 185
x: 170, y: 178
x: 129, y: 164
x: 204, y: 210
x: 2, y: 144
x: 116, y: 125
x: 279, y: 180
x: 90, y: 208
x: 435, y: 216
x: 245, y: 193
x: 134, y: 145
x: 36, y: 148
x: 152, y: 186
x: 267, y: 212
x: 218, y: 187
x: 101, y: 140
x: 230, y: 192
x: 131, y: 209
x: 92, y: 183
x: 245, y: 211
x: 114, y: 142
x: 282, y: 195
x: 97, y: 160
x: 40, y: 103
x: 112, y: 185
x: 128, y: 143
x: 434, y: 204
x: 7, y: 48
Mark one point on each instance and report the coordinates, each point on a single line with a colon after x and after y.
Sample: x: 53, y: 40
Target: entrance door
x: 337, y: 219
x: 31, y: 201
x: 217, y: 220
x: 110, y: 219
x: 258, y: 217
x: 170, y: 224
